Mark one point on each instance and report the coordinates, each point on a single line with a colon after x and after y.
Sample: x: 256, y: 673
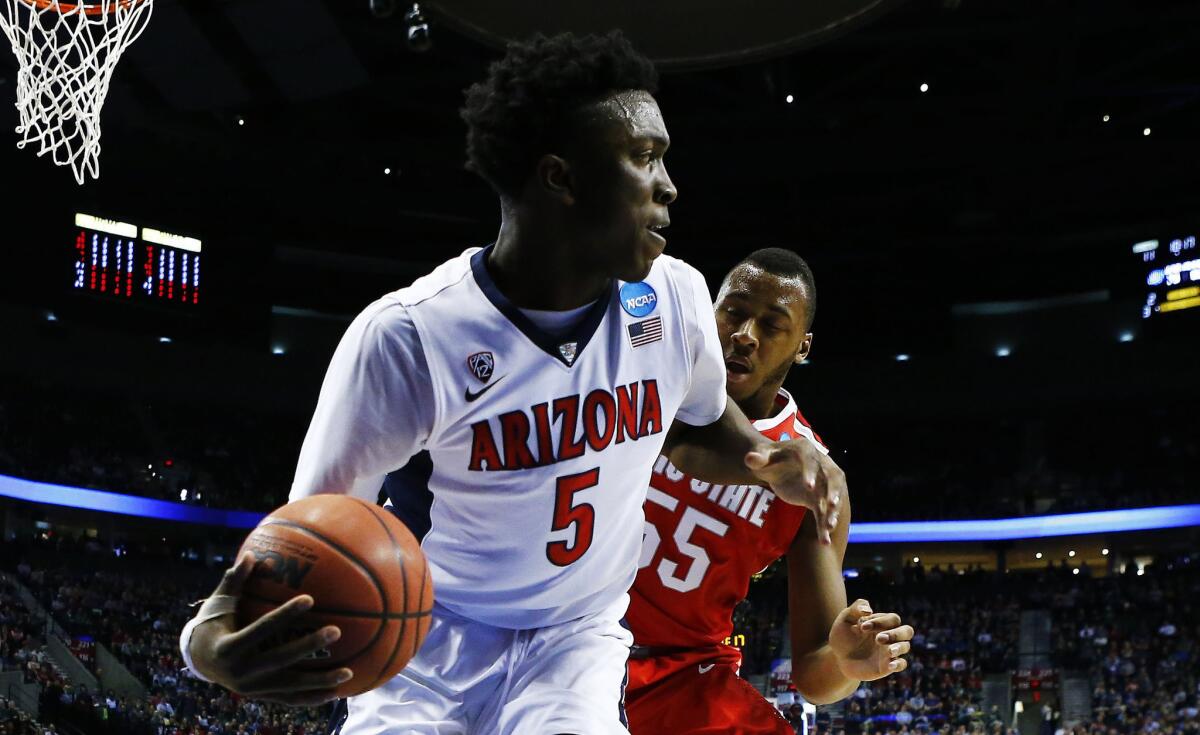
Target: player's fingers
x: 831, y: 504
x: 835, y: 482
x: 881, y: 621
x: 896, y: 650
x: 821, y: 519
x: 235, y: 576
x: 788, y: 455
x: 897, y: 665
x: 284, y: 683
x: 758, y: 457
x: 856, y: 611
x: 247, y: 639
x: 289, y: 653
x: 903, y: 633
x: 822, y: 525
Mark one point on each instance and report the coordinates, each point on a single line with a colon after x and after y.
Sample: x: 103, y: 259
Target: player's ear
x: 804, y: 348
x: 555, y: 177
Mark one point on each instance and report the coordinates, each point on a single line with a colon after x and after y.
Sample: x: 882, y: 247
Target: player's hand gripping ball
x: 366, y: 575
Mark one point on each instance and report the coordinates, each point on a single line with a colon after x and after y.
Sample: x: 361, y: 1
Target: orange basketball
x: 365, y: 572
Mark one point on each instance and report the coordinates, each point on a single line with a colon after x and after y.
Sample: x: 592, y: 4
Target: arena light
x: 112, y: 227
x: 1005, y: 529
x: 1002, y: 529
x: 131, y: 505
x: 179, y: 242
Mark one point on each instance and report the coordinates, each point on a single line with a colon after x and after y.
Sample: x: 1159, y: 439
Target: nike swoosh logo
x: 706, y: 669
x: 472, y: 396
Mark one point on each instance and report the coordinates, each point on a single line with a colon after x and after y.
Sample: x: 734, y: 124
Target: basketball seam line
x: 404, y: 587
x: 352, y: 557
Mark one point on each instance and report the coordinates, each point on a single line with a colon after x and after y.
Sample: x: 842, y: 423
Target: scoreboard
x: 125, y: 262
x: 1171, y: 269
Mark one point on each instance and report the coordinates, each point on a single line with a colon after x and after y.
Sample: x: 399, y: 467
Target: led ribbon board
x: 1000, y: 529
x: 130, y: 505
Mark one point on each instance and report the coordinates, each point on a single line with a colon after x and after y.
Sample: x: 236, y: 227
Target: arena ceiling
x: 272, y: 123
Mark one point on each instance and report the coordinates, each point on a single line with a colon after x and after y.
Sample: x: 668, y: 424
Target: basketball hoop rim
x: 92, y: 9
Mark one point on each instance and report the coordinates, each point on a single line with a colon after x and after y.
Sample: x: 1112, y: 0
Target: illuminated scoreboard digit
x: 1172, y: 273
x: 122, y: 261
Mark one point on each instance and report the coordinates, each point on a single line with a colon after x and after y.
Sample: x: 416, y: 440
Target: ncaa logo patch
x: 638, y: 299
x: 482, y: 365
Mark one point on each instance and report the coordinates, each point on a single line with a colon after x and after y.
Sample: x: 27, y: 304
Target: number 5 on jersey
x: 566, y: 513
x: 691, y: 519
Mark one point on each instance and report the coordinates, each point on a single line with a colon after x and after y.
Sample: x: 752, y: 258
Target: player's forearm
x: 716, y: 452
x: 819, y: 678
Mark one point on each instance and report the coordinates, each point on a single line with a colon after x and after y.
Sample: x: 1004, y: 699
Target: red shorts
x: 697, y: 692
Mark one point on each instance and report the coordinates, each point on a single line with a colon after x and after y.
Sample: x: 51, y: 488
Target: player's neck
x: 535, y: 269
x: 762, y: 404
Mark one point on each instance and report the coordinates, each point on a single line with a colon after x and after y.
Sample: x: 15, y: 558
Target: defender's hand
x: 869, y: 645
x: 235, y: 659
x: 801, y: 474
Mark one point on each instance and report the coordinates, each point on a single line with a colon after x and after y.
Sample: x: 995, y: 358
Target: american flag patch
x: 645, y: 331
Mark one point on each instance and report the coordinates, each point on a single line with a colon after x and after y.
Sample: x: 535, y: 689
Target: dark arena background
x: 1000, y: 202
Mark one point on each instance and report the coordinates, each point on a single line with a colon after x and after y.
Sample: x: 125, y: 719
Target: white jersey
x: 539, y: 447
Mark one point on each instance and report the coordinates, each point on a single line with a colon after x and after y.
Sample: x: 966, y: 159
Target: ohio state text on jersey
x: 703, y: 542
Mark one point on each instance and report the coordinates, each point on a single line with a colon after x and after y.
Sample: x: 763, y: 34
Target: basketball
x: 365, y: 572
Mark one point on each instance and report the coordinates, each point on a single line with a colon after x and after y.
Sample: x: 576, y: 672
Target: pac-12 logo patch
x: 482, y: 365
x: 638, y: 299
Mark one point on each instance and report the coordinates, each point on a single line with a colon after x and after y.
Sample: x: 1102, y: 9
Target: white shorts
x: 475, y: 679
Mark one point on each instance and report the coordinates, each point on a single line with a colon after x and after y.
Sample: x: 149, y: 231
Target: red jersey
x: 703, y: 542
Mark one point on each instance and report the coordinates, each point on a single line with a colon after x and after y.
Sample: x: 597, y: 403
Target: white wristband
x: 185, y: 639
x: 214, y: 607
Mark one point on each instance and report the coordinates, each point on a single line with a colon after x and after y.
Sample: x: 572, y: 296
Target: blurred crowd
x: 1133, y: 635
x: 984, y: 468
x: 136, y: 609
x: 182, y: 452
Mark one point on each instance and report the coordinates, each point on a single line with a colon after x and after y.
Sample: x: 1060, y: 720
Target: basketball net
x: 67, y: 53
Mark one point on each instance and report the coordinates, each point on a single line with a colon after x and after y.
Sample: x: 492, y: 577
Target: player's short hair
x: 785, y: 264
x: 524, y: 107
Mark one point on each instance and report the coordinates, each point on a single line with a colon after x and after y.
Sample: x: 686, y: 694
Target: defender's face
x: 762, y: 322
x: 622, y: 186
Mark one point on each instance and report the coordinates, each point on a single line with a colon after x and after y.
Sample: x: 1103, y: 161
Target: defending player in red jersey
x: 703, y: 542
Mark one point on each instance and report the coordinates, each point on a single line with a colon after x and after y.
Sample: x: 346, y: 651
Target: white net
x: 66, y: 55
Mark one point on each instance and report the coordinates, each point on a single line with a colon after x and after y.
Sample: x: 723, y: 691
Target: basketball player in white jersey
x: 532, y: 383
